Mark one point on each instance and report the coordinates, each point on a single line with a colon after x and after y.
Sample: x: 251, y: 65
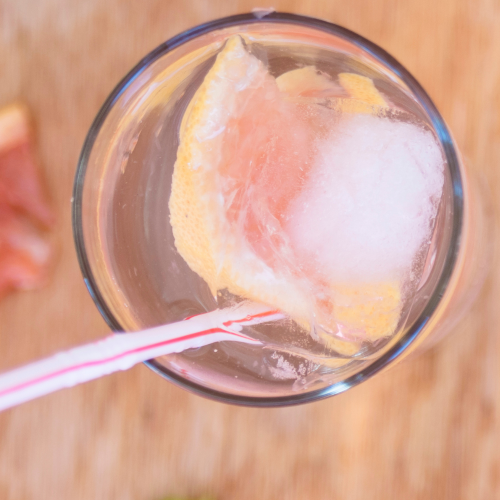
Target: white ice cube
x: 370, y: 200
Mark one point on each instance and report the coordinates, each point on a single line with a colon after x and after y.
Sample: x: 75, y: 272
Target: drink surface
x: 312, y: 192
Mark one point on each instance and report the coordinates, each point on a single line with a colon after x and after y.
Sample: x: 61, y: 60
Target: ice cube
x: 370, y: 200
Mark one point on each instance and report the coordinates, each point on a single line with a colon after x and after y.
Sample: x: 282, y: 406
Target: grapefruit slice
x: 20, y: 182
x: 230, y: 148
x: 24, y: 252
x: 245, y: 153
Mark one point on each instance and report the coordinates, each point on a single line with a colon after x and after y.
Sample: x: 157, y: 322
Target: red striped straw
x: 124, y: 350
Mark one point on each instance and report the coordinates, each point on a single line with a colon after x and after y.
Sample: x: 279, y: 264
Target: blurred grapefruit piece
x: 24, y: 254
x: 24, y: 211
x: 20, y: 182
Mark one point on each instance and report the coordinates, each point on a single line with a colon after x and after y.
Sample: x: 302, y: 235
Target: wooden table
x: 428, y: 429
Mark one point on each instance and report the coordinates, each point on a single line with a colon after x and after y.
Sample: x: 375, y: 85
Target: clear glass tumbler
x: 125, y: 243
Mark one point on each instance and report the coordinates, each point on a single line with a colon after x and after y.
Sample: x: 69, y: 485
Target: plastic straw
x: 124, y: 350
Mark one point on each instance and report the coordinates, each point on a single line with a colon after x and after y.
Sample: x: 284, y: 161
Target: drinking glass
x: 124, y: 239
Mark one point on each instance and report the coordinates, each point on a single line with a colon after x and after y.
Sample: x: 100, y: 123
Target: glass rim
x: 446, y: 143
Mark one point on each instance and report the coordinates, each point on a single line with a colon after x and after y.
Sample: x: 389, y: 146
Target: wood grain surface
x: 427, y: 429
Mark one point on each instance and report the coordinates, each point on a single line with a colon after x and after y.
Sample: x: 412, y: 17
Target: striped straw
x: 124, y: 350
